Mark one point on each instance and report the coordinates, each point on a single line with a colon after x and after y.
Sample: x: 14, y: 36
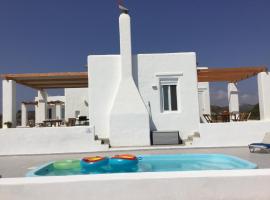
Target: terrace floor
x: 17, y: 166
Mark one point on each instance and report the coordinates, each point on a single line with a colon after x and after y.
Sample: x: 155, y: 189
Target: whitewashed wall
x: 9, y: 102
x: 204, y: 99
x: 231, y: 134
x: 39, y: 110
x: 147, y: 70
x: 104, y: 76
x: 199, y: 185
x: 129, y: 118
x: 264, y: 95
x: 76, y: 102
x: 48, y: 140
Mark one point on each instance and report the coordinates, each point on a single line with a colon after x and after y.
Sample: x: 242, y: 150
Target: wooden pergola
x: 80, y: 79
x: 50, y: 80
x: 31, y: 103
x: 231, y: 75
x: 55, y: 102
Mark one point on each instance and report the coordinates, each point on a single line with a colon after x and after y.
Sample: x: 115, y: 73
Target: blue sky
x: 57, y: 36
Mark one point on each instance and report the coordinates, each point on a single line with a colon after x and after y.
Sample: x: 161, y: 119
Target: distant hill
x: 219, y: 109
x: 246, y: 107
x: 255, y: 112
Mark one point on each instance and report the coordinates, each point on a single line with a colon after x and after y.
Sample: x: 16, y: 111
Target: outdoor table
x: 82, y: 120
x: 53, y: 122
x: 222, y: 117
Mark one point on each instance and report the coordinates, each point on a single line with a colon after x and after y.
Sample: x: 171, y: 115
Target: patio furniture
x: 53, y: 122
x: 209, y: 118
x: 83, y: 120
x: 244, y: 116
x: 234, y: 116
x: 225, y: 116
x: 40, y: 125
x: 215, y: 118
x: 71, y: 122
x: 31, y: 123
x: 264, y: 145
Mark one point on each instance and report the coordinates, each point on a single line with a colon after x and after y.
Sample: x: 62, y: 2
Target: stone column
x: 233, y: 97
x: 9, y: 102
x: 42, y: 112
x: 264, y: 95
x: 24, y: 115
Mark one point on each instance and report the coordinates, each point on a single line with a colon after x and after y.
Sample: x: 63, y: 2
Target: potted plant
x: 8, y: 124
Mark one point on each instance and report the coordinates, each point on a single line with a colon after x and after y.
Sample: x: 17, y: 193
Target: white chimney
x: 129, y: 118
x: 125, y: 46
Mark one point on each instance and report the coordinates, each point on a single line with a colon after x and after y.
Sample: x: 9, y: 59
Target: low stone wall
x: 231, y: 134
x: 18, y: 141
x: 199, y: 185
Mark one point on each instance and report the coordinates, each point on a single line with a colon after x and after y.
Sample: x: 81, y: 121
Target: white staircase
x: 191, y: 139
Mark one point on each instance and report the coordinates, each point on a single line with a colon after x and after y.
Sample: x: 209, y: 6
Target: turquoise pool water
x: 159, y: 163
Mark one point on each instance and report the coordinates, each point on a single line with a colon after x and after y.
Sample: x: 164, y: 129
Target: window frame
x: 169, y: 79
x: 169, y: 98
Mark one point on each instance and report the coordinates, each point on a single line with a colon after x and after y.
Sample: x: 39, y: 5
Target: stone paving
x: 18, y: 166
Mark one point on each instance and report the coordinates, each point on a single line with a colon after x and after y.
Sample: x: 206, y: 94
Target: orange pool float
x: 94, y: 163
x: 125, y: 157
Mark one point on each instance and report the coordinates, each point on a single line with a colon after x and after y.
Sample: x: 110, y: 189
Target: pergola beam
x: 228, y: 74
x: 235, y: 70
x: 58, y: 75
x: 80, y: 79
x: 50, y: 80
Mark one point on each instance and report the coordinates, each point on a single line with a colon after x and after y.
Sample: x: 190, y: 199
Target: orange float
x: 123, y: 162
x: 94, y: 163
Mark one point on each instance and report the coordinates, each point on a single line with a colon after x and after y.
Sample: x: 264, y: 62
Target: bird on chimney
x: 122, y: 8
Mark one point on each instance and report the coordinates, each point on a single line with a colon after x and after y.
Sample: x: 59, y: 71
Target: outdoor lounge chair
x: 264, y: 145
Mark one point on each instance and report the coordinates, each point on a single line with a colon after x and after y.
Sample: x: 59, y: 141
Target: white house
x: 129, y: 96
x: 132, y: 95
x: 73, y: 104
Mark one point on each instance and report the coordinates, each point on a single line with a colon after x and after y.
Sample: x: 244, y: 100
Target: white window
x: 169, y: 97
x: 169, y: 84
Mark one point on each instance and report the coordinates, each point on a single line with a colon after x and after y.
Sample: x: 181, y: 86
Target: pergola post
x: 41, y: 111
x: 24, y: 115
x: 53, y: 110
x: 264, y: 95
x: 233, y: 97
x: 204, y: 99
x: 9, y: 102
x: 58, y: 108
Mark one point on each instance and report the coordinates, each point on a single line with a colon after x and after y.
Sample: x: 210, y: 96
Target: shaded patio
x: 43, y: 81
x: 40, y: 82
x: 232, y: 76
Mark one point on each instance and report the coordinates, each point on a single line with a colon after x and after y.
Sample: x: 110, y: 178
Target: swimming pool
x: 158, y: 163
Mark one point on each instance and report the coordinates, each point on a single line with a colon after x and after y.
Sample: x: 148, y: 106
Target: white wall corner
x: 9, y: 102
x: 41, y: 108
x: 24, y: 115
x: 233, y: 97
x: 264, y: 95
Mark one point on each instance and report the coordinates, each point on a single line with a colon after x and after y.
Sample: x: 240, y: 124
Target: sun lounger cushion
x: 263, y: 145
